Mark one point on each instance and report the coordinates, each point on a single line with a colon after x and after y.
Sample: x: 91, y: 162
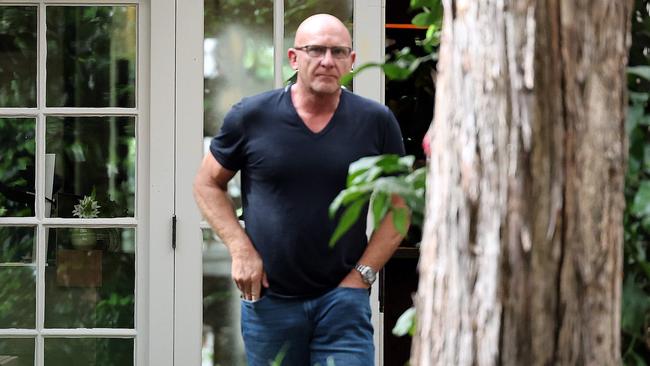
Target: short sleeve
x: 227, y: 146
x: 393, y: 143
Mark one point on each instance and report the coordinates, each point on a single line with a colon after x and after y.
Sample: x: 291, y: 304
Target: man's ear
x: 293, y: 58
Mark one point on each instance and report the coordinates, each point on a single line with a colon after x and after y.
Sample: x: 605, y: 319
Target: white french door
x: 223, y: 53
x: 86, y: 271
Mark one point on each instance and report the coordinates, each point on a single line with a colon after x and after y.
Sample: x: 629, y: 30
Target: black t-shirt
x: 289, y: 177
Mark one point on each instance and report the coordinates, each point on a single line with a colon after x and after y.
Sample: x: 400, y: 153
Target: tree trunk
x: 521, y: 260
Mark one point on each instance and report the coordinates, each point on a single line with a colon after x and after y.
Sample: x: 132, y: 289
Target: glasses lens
x: 316, y: 51
x: 340, y: 52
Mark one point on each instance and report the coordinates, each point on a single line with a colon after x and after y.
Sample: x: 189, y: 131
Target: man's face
x: 320, y: 69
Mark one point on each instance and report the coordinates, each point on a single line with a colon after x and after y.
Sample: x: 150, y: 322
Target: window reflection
x: 238, y: 55
x: 238, y: 61
x: 17, y: 277
x: 91, y: 54
x: 222, y: 343
x: 17, y: 351
x: 93, y: 157
x: 90, y: 278
x: 88, y: 352
x: 17, y: 166
x: 18, y: 56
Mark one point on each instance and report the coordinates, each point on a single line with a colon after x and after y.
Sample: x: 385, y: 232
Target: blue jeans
x: 332, y: 329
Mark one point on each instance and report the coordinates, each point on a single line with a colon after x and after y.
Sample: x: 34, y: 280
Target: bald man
x: 300, y: 298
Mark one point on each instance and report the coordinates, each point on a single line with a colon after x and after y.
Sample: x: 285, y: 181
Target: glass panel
x: 297, y: 10
x: 17, y: 162
x: 88, y: 352
x: 94, y: 157
x: 17, y: 351
x: 18, y: 56
x: 17, y: 277
x: 238, y: 55
x: 91, y: 55
x: 222, y: 343
x: 90, y: 278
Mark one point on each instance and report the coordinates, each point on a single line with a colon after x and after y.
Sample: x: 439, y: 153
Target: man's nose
x: 327, y: 59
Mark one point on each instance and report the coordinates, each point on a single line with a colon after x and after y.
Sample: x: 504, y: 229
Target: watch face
x: 367, y: 273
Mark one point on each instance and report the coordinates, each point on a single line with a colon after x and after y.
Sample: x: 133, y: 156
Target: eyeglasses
x: 315, y: 51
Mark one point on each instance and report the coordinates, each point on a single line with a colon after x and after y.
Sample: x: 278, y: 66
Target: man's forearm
x: 218, y: 211
x: 384, y: 241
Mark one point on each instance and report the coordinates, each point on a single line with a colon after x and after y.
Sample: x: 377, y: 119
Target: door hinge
x: 174, y: 232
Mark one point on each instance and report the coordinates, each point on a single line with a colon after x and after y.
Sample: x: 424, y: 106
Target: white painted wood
x: 18, y: 333
x: 19, y: 112
x: 369, y: 46
x: 68, y: 2
x: 144, y: 278
x: 18, y: 221
x: 160, y: 185
x: 189, y: 151
x: 95, y: 332
x: 89, y: 112
x: 279, y: 52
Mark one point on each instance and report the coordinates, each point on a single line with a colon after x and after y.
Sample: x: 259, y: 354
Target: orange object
x: 404, y: 26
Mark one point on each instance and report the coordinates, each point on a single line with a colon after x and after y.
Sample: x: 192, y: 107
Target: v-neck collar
x: 330, y: 124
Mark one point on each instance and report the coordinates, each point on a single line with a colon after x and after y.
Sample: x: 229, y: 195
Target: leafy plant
x: 87, y: 208
x: 635, y: 309
x: 374, y: 180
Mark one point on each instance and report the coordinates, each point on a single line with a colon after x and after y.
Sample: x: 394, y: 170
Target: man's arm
x: 210, y: 193
x: 381, y: 246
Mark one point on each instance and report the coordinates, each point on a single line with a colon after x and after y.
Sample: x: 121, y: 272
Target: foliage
x: 635, y: 307
x: 403, y: 63
x: 17, y: 181
x: 636, y: 290
x: 375, y: 179
x: 406, y: 324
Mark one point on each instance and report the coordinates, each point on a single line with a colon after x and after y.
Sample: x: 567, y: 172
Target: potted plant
x: 87, y: 208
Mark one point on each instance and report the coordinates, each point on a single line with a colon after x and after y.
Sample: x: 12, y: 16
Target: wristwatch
x: 367, y: 273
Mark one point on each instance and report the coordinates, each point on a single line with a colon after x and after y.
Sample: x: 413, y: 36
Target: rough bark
x: 522, y: 247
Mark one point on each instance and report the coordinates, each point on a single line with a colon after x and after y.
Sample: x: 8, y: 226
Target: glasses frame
x: 321, y: 51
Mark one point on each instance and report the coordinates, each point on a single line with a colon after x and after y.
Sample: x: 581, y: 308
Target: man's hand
x: 248, y: 273
x: 353, y: 280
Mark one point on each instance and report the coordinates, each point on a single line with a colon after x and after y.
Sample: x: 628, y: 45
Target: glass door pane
x: 91, y: 53
x: 17, y: 167
x: 68, y: 184
x: 238, y: 61
x: 18, y: 56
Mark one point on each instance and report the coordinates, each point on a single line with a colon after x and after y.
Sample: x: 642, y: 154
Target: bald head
x: 319, y: 25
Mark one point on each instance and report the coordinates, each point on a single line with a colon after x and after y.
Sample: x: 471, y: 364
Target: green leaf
x: 347, y: 78
x: 348, y: 219
x: 349, y: 195
x: 634, y: 114
x: 425, y: 19
x: 641, y: 71
x: 635, y: 306
x: 641, y: 203
x: 380, y: 204
x: 400, y: 220
x: 638, y: 98
x: 406, y: 323
x: 417, y: 4
x: 395, y: 72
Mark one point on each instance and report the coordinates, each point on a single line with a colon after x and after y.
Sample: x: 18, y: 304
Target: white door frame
x: 162, y: 83
x: 188, y: 116
x: 188, y: 316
